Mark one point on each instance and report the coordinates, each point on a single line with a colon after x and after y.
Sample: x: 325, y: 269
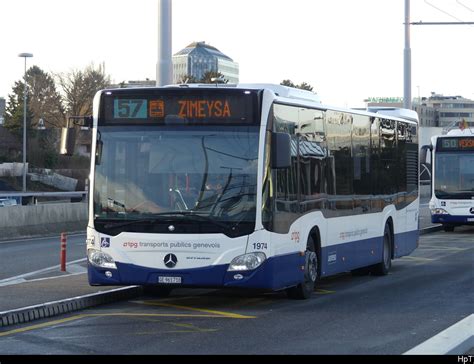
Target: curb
x: 431, y: 229
x: 455, y: 340
x: 55, y: 308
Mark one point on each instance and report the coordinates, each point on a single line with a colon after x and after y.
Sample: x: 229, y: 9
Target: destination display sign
x: 175, y: 108
x: 456, y: 143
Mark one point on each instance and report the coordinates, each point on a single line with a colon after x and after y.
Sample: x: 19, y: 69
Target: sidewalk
x: 46, y: 290
x: 55, y: 295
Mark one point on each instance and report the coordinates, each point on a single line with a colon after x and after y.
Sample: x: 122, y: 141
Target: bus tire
x: 157, y: 291
x: 382, y: 268
x: 448, y: 228
x: 311, y: 268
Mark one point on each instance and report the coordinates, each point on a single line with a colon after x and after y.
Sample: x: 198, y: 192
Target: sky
x: 348, y: 50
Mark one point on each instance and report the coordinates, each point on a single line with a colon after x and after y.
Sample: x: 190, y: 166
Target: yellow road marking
x: 152, y: 315
x: 40, y: 326
x: 214, y: 312
x: 193, y: 328
x: 183, y: 328
x: 418, y: 258
x: 324, y: 291
x: 431, y: 247
x: 217, y: 314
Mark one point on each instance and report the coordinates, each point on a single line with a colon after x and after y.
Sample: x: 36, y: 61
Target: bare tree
x: 79, y: 88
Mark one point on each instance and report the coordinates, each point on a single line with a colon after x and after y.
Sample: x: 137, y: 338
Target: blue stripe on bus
x: 450, y: 219
x: 361, y: 253
x: 275, y: 273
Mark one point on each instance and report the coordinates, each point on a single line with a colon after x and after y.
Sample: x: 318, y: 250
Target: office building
x: 434, y: 111
x: 198, y: 58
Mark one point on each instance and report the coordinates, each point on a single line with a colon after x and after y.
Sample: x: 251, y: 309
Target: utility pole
x: 407, y: 51
x: 25, y: 56
x: 164, y: 67
x: 407, y: 60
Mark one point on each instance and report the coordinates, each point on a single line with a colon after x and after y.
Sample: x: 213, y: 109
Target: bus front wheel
x: 305, y: 289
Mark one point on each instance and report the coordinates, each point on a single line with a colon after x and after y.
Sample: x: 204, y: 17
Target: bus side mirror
x: 425, y: 173
x: 425, y: 167
x: 98, y: 152
x: 281, y: 151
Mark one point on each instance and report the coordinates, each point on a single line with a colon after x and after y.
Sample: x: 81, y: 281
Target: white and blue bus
x: 452, y: 178
x: 257, y: 186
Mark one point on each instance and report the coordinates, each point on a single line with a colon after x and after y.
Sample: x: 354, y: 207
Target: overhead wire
x: 441, y: 10
x: 465, y: 6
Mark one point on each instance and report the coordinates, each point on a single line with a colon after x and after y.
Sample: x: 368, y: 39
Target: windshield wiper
x: 155, y: 219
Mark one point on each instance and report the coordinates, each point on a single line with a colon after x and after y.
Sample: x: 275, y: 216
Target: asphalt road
x: 29, y: 255
x: 424, y: 294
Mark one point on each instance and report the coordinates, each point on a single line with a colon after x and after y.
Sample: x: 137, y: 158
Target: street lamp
x: 24, y: 55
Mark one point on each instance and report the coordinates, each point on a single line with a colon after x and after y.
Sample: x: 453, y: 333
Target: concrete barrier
x: 40, y: 220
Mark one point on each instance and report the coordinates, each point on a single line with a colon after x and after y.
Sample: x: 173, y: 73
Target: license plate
x: 169, y: 280
x: 469, y: 219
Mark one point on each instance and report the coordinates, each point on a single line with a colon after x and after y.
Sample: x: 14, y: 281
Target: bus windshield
x: 201, y: 176
x: 454, y: 175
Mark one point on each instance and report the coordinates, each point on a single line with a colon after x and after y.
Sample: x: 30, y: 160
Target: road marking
x: 419, y: 259
x: 190, y: 327
x: 433, y: 247
x: 151, y: 315
x: 324, y: 291
x: 18, y: 281
x: 78, y: 317
x: 455, y: 340
x: 22, y: 277
x: 40, y: 326
x: 213, y: 312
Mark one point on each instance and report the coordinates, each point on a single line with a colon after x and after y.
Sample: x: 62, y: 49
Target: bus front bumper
x: 452, y: 220
x: 275, y: 273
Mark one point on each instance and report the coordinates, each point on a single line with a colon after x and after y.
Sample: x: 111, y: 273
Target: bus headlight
x: 100, y: 259
x: 247, y: 262
x: 439, y: 211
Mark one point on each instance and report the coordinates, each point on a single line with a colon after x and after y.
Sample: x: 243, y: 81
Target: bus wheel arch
x: 312, y: 268
x: 315, y: 235
x: 389, y: 223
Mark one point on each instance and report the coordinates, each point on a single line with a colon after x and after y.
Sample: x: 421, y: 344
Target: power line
x: 444, y: 12
x: 465, y: 6
x: 443, y: 23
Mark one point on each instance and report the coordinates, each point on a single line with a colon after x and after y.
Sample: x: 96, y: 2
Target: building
x: 198, y: 58
x: 434, y: 111
x: 134, y: 83
x: 445, y: 111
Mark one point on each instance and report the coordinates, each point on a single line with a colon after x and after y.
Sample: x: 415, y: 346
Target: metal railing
x: 32, y: 197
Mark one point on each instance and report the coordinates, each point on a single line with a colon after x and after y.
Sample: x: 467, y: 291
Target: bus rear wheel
x: 305, y: 289
x: 382, y: 268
